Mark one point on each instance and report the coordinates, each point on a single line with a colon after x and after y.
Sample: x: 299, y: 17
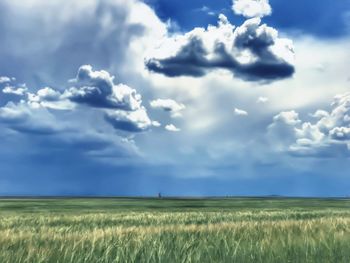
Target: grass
x: 175, y: 230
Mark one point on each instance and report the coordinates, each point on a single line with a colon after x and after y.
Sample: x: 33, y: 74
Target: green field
x: 175, y: 230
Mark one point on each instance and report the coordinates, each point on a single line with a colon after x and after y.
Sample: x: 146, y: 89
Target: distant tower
x: 159, y: 195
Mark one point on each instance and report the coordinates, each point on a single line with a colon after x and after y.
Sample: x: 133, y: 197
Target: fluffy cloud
x: 156, y: 124
x: 10, y: 87
x: 94, y: 89
x: 340, y: 133
x: 169, y: 105
x: 262, y: 100
x: 328, y: 136
x: 48, y: 94
x: 121, y: 104
x: 172, y: 128
x: 20, y: 91
x: 130, y: 121
x: 252, y: 51
x: 240, y: 112
x: 50, y: 99
x: 290, y: 118
x: 4, y: 79
x: 97, y: 89
x: 252, y: 8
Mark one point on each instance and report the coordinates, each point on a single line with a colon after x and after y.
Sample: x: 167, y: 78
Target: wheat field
x: 174, y: 230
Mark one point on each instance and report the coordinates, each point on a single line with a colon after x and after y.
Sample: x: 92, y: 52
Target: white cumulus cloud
x: 121, y: 105
x: 169, y: 105
x: 97, y: 89
x: 328, y: 136
x: 172, y: 128
x: 252, y: 8
x: 20, y: 91
x: 262, y: 100
x: 156, y: 124
x: 240, y: 112
x: 4, y: 79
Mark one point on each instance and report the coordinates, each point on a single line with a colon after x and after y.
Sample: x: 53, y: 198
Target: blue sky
x: 325, y: 19
x: 202, y: 97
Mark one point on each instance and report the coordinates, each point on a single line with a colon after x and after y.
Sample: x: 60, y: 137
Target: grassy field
x: 175, y: 230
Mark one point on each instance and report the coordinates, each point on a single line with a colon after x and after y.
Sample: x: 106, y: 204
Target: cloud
x: 108, y: 34
x: 207, y: 10
x: 97, y: 89
x: 156, y: 124
x: 10, y: 113
x: 169, y: 105
x: 38, y: 130
x: 102, y: 34
x: 23, y: 118
x: 340, y: 133
x: 240, y: 112
x: 50, y: 99
x: 133, y: 121
x: 252, y: 52
x: 9, y: 87
x: 48, y: 94
x: 252, y: 8
x: 120, y: 104
x: 20, y: 91
x: 329, y: 136
x: 91, y: 88
x: 262, y: 100
x: 172, y: 128
x: 4, y: 79
x: 320, y: 114
x: 290, y: 118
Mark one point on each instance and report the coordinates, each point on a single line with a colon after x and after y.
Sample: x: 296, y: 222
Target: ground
x: 174, y: 230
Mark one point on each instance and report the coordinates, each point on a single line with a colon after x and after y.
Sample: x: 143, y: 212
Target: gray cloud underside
x: 194, y: 59
x: 97, y: 89
x: 191, y: 61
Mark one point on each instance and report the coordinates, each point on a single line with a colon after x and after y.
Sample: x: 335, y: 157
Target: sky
x: 186, y: 98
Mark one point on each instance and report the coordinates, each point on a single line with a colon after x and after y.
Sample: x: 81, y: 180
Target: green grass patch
x: 175, y: 230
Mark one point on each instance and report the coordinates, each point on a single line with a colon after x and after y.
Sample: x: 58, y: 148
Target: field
x: 174, y: 230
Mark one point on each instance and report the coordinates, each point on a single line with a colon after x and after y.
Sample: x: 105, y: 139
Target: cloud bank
x: 122, y: 105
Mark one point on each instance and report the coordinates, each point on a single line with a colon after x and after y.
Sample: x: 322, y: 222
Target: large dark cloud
x: 252, y: 52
